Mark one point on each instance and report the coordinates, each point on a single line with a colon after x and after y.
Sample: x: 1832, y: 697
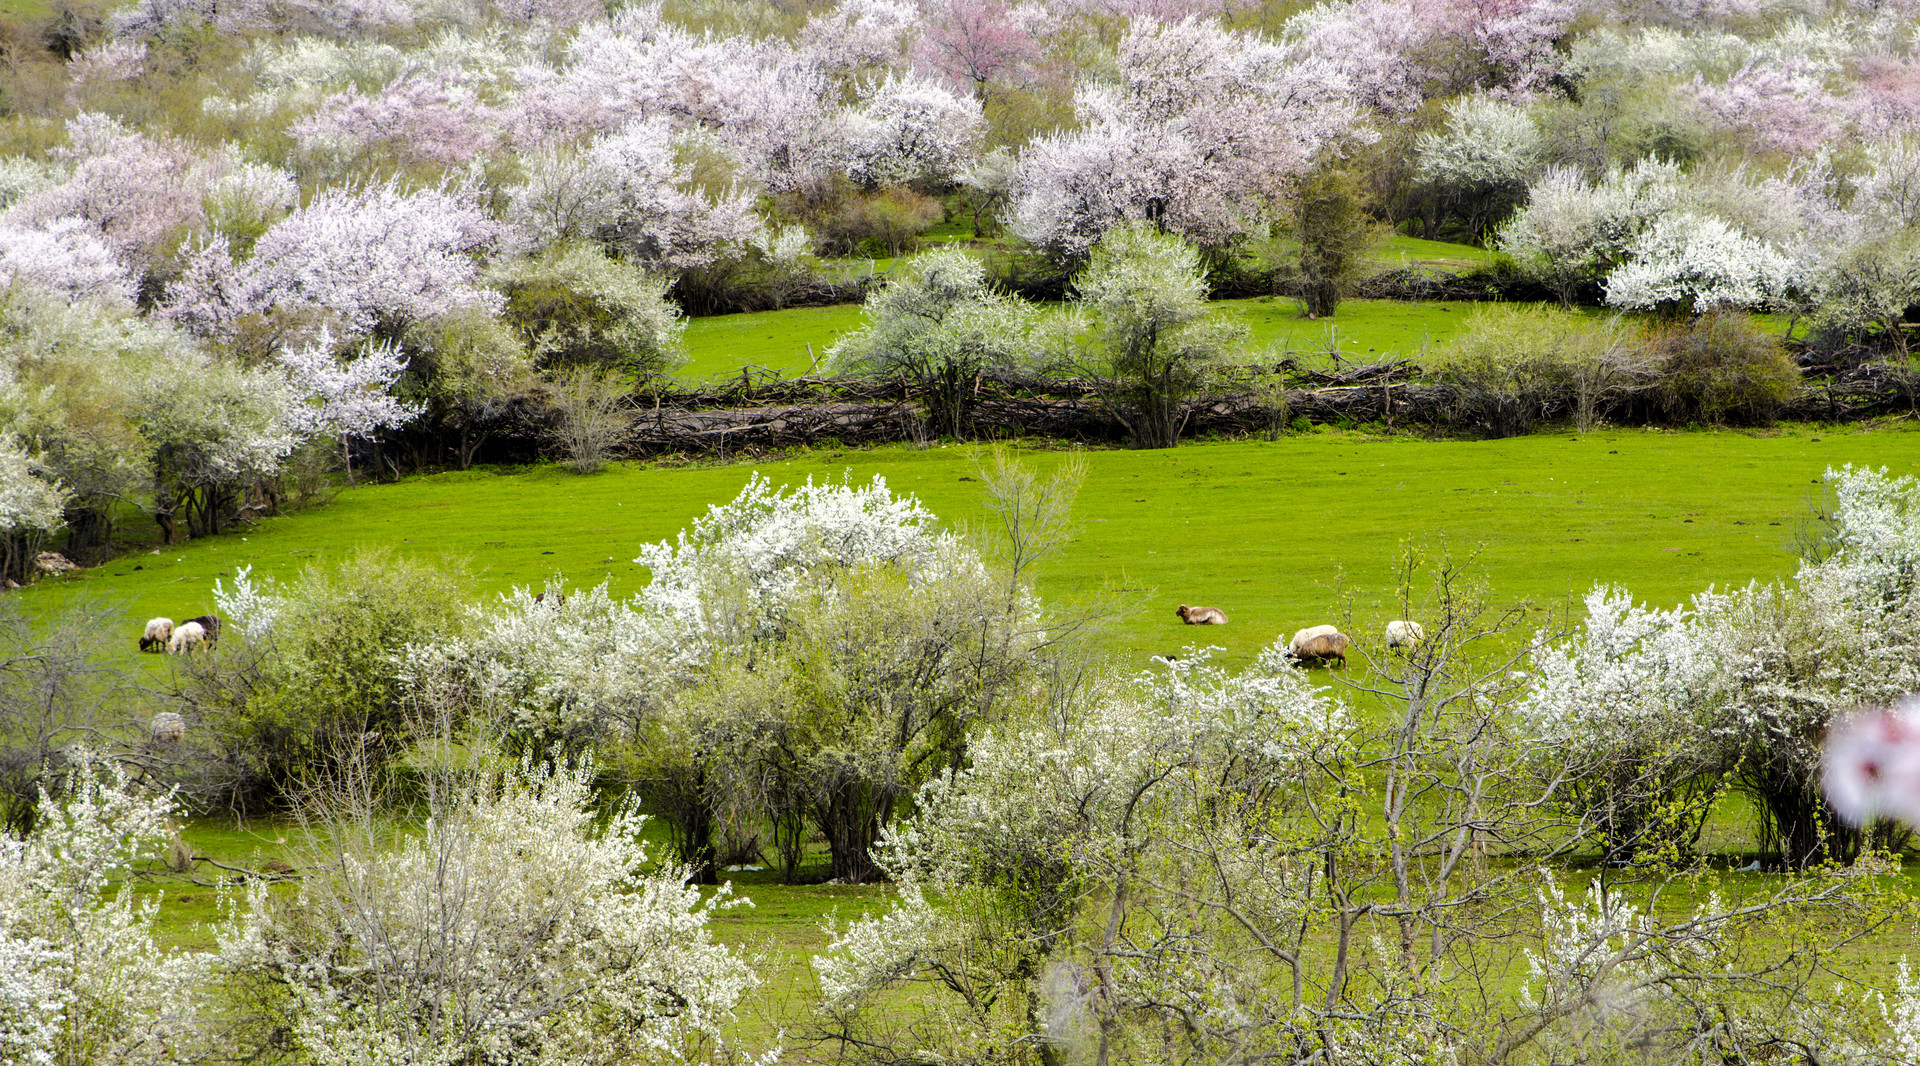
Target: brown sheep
x: 1320, y: 644
x: 1201, y: 616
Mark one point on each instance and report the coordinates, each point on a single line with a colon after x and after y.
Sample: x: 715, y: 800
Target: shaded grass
x: 1278, y: 534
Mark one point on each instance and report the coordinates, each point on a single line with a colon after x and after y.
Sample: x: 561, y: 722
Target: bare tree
x: 592, y: 405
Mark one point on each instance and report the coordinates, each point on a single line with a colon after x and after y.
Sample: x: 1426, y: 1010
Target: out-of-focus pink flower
x: 1873, y: 764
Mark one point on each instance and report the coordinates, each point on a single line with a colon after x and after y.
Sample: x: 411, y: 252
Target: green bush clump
x: 306, y: 680
x: 576, y: 307
x: 1720, y: 370
x: 1517, y: 365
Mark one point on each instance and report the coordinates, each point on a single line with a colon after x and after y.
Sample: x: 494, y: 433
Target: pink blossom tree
x: 378, y: 258
x: 1785, y: 107
x: 979, y: 45
x: 1200, y: 138
x: 431, y: 117
x: 135, y: 191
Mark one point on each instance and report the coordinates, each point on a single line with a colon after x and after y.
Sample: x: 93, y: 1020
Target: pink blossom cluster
x: 132, y: 189
x: 374, y: 258
x: 1779, y: 106
x: 1872, y: 765
x: 426, y: 117
x: 1202, y: 133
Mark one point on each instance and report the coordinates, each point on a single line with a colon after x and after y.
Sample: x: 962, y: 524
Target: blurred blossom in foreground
x: 1873, y: 764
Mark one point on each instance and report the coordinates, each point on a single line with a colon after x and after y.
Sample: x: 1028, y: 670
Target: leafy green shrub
x: 305, y: 676
x: 575, y: 307
x: 1515, y: 365
x: 884, y: 224
x: 1720, y: 369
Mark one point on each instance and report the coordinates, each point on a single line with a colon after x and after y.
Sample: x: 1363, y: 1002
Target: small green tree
x: 1152, y: 340
x: 937, y: 324
x: 1331, y: 222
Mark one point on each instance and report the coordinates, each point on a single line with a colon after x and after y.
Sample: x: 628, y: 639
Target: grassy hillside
x: 1276, y: 533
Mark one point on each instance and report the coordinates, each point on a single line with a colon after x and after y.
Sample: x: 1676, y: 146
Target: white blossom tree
x: 86, y: 983
x: 911, y: 131
x: 937, y: 323
x: 1482, y: 162
x: 516, y: 924
x: 344, y: 400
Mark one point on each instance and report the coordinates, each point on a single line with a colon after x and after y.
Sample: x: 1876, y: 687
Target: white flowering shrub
x: 1185, y: 780
x: 1620, y: 706
x: 84, y: 981
x: 253, y: 607
x: 937, y: 323
x: 1745, y: 682
x: 515, y: 926
x: 1690, y: 263
x: 564, y: 666
x: 736, y: 572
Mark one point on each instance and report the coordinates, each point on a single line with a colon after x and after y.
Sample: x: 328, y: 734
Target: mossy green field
x: 1278, y: 534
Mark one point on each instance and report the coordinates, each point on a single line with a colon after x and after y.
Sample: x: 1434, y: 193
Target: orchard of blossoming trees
x: 478, y: 193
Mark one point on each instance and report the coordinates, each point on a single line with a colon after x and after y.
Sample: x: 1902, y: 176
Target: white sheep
x: 1404, y: 634
x: 167, y: 727
x: 157, y: 634
x: 189, y: 636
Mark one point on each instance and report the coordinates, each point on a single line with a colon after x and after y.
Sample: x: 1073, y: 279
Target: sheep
x: 187, y: 637
x: 1319, y: 644
x: 211, y: 624
x: 1201, y: 616
x: 1404, y: 634
x: 167, y: 727
x: 155, y: 638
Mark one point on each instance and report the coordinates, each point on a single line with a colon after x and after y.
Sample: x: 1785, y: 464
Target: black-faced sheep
x: 187, y: 636
x: 158, y: 631
x: 1319, y: 644
x: 1404, y: 634
x: 167, y: 727
x: 1201, y: 616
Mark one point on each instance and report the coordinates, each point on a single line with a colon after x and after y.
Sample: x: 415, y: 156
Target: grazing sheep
x: 167, y: 727
x: 211, y: 624
x: 1319, y: 644
x: 155, y: 638
x: 1201, y: 616
x: 186, y: 637
x: 1403, y: 634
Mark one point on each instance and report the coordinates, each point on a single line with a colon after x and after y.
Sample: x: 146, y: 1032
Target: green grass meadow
x: 1278, y: 534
